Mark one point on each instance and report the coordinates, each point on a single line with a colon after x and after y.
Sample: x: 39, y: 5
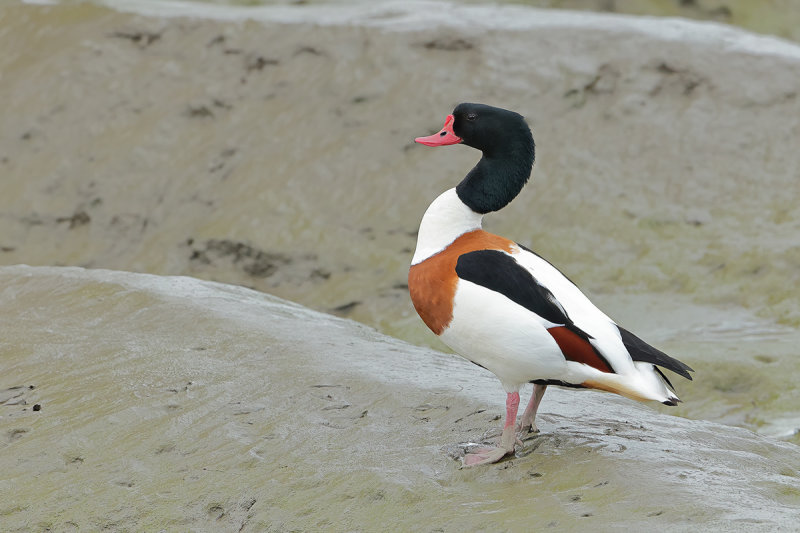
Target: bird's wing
x: 641, y: 351
x: 607, y: 336
x: 501, y: 272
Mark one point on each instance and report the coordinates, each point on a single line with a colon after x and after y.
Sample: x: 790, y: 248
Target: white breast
x: 445, y: 220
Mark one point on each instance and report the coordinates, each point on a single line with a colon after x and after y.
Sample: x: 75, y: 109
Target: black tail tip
x: 671, y: 403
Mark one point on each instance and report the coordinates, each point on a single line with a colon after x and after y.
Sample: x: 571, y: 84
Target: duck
x: 503, y: 307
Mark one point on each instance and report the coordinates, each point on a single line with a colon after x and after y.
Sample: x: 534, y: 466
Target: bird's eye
x: 472, y: 116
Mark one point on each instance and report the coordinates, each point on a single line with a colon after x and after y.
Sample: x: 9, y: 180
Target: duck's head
x: 508, y: 153
x: 480, y: 126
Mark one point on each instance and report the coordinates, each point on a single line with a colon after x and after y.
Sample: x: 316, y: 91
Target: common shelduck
x: 500, y: 305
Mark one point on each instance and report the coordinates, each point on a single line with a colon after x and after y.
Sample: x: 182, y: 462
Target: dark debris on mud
x: 449, y: 44
x: 15, y: 395
x: 141, y: 38
x: 18, y: 397
x: 251, y: 260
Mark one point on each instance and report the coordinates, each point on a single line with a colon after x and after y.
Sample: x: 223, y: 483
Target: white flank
x: 501, y: 336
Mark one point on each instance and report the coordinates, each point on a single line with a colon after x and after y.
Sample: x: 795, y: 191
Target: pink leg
x: 507, y: 441
x: 526, y: 422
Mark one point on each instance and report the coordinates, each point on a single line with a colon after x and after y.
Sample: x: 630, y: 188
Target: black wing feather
x: 641, y: 351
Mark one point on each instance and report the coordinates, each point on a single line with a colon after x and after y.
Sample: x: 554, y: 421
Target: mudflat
x: 272, y: 148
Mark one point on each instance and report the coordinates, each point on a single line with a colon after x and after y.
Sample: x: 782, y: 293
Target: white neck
x: 446, y: 219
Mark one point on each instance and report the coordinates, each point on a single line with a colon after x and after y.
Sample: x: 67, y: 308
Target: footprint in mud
x: 338, y: 410
x: 216, y: 511
x: 15, y: 434
x: 15, y: 395
x: 540, y: 443
x: 74, y: 459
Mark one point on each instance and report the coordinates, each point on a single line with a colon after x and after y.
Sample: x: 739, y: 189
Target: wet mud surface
x: 276, y: 153
x: 271, y: 154
x: 212, y: 407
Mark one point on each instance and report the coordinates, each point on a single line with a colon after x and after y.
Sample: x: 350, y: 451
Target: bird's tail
x: 647, y: 383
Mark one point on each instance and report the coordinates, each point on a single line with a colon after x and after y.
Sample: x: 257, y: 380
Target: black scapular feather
x: 501, y: 273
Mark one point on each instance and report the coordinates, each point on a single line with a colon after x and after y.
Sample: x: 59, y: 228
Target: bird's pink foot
x: 492, y: 454
x: 508, y: 440
x: 526, y: 422
x: 483, y: 456
x: 526, y: 429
